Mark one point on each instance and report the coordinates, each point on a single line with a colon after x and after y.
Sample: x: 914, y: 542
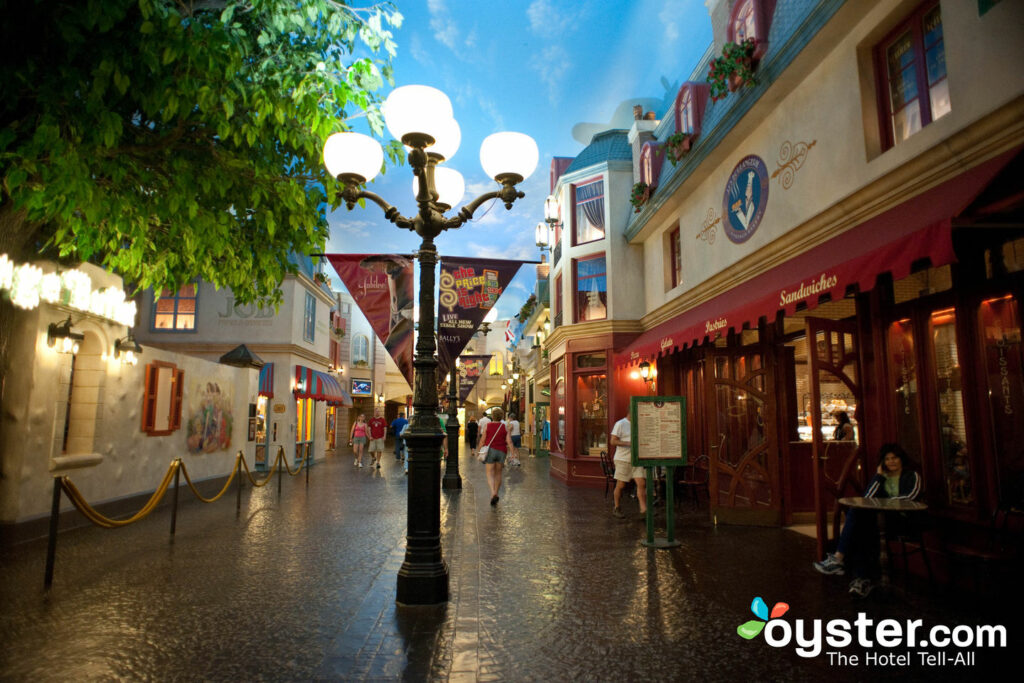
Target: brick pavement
x: 547, y: 586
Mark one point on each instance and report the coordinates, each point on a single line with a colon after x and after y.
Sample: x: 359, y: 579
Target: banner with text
x: 469, y: 289
x: 382, y: 287
x: 471, y: 369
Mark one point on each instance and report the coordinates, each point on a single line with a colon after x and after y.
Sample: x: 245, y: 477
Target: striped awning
x: 267, y: 380
x: 319, y: 386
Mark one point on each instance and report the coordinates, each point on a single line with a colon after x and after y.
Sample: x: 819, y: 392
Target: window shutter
x: 179, y: 387
x: 149, y: 399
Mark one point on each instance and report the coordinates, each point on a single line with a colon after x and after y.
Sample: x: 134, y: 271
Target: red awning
x: 319, y: 386
x: 888, y: 243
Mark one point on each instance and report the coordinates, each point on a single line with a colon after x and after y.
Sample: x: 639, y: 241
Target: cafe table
x: 884, y: 506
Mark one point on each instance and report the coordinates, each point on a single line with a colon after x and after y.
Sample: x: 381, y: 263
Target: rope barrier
x: 93, y: 515
x: 177, y: 467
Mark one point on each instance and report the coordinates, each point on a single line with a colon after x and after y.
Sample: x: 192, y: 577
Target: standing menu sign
x: 658, y: 439
x: 658, y: 430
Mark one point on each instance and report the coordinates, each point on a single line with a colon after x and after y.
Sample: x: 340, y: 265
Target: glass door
x: 835, y: 410
x: 262, y: 434
x: 542, y: 429
x: 744, y: 456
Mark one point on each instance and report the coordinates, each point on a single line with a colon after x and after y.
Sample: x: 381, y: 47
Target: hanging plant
x: 640, y: 194
x: 733, y: 69
x: 677, y: 145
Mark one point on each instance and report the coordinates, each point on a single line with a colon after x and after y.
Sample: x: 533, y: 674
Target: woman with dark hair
x: 858, y: 541
x: 844, y: 428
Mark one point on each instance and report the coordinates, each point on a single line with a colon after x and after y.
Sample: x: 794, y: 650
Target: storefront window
x: 903, y: 382
x: 1000, y: 323
x: 590, y: 360
x: 560, y: 402
x: 592, y: 399
x: 949, y: 390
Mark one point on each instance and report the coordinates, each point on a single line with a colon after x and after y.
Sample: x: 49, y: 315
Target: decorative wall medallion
x: 708, y: 230
x: 791, y: 158
x: 746, y: 196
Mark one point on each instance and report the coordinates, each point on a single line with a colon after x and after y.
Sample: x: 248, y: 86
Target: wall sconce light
x: 60, y: 337
x: 380, y: 397
x: 127, y: 350
x: 504, y: 386
x: 646, y: 372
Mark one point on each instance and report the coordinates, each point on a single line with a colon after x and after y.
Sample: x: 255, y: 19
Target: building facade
x: 836, y: 229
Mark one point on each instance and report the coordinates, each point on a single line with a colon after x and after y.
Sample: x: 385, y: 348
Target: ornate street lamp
x: 421, y: 117
x: 541, y: 233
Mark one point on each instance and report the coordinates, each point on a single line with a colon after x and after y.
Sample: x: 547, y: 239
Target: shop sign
x: 746, y: 197
x: 279, y: 408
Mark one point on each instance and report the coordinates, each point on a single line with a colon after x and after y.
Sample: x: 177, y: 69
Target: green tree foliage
x: 169, y: 139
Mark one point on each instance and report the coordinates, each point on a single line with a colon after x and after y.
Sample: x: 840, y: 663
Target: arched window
x: 651, y: 157
x: 749, y: 19
x: 361, y: 349
x: 689, y: 107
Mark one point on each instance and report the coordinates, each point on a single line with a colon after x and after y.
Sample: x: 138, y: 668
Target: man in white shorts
x: 624, y: 470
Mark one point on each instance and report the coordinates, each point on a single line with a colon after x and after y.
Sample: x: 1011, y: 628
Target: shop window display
x: 1000, y: 328
x: 592, y: 399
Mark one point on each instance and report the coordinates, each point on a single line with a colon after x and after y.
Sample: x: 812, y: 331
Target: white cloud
x: 471, y: 39
x: 546, y: 20
x: 354, y: 228
x: 670, y: 12
x: 417, y: 52
x: 442, y: 24
x: 551, y: 65
x: 525, y: 253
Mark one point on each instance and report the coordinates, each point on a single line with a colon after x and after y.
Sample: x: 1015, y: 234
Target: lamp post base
x: 421, y: 585
x: 450, y: 482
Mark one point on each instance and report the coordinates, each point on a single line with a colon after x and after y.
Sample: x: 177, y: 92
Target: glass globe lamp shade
x: 353, y: 153
x: 417, y: 109
x: 448, y: 182
x: 541, y: 233
x: 509, y: 153
x: 551, y: 209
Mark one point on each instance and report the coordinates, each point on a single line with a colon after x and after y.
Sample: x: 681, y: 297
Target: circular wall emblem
x: 746, y: 196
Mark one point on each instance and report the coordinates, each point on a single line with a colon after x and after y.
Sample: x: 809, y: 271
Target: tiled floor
x: 546, y: 586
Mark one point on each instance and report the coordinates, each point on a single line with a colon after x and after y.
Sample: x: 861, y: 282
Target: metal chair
x: 608, y: 468
x: 995, y: 554
x: 695, y: 477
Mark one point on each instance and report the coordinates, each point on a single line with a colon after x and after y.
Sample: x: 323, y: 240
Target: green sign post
x: 658, y: 439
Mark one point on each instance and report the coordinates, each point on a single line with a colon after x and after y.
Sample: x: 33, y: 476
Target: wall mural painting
x: 210, y: 420
x: 709, y: 229
x: 791, y: 158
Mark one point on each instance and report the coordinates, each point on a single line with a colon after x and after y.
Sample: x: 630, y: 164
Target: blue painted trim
x: 739, y: 104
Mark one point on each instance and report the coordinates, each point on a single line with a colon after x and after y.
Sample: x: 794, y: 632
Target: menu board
x: 658, y: 430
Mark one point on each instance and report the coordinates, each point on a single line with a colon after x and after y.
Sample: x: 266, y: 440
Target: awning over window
x: 267, y: 380
x: 890, y: 242
x: 319, y: 386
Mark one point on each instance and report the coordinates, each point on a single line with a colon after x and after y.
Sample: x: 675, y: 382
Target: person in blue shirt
x: 858, y: 541
x: 397, y: 426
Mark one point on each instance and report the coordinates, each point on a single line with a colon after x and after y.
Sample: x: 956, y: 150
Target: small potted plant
x: 734, y: 69
x: 677, y: 145
x: 640, y: 194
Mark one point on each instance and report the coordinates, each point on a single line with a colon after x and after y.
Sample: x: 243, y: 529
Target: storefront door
x: 744, y: 454
x: 542, y: 429
x: 834, y: 380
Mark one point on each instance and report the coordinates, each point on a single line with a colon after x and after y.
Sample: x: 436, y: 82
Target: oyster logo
x: 715, y: 325
x: 753, y: 628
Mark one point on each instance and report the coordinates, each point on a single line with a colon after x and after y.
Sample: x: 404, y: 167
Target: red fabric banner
x: 382, y: 287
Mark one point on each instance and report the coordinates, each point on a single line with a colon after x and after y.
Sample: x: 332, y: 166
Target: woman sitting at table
x: 858, y: 541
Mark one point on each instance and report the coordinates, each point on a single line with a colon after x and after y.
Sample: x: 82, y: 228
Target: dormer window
x: 749, y: 19
x: 651, y: 157
x: 689, y: 107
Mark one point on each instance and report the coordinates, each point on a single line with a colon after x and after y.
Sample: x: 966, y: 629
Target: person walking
x: 496, y: 438
x: 624, y: 470
x: 378, y: 430
x: 516, y: 438
x: 472, y: 428
x: 397, y: 427
x: 357, y: 438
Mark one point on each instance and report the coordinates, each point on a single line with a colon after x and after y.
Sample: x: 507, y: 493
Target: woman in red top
x: 499, y: 443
